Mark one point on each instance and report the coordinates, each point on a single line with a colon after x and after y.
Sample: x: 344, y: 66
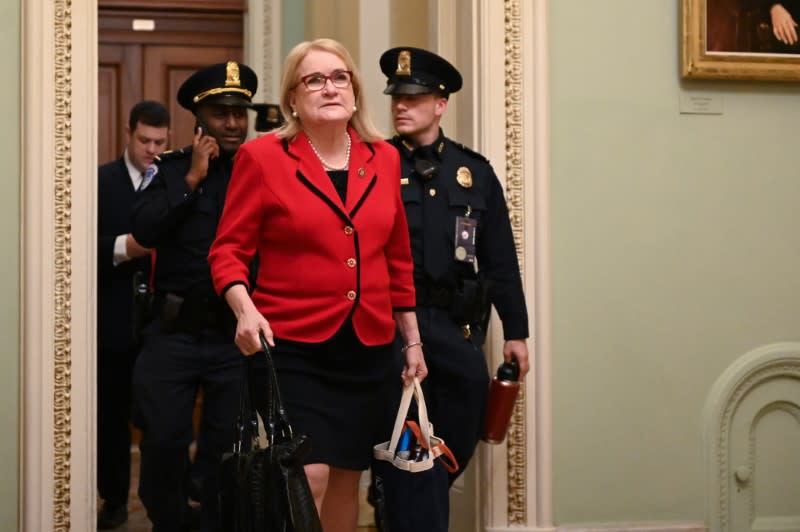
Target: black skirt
x: 340, y: 393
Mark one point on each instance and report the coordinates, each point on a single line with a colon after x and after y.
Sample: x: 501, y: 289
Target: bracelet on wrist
x: 409, y: 345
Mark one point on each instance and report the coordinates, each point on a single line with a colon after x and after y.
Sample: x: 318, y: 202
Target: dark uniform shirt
x: 180, y: 223
x: 434, y: 203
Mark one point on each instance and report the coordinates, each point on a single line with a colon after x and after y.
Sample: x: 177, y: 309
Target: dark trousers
x: 457, y: 385
x: 114, y: 369
x: 168, y: 373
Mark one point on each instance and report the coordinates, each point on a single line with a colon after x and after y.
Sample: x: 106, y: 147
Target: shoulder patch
x: 471, y: 152
x: 172, y: 155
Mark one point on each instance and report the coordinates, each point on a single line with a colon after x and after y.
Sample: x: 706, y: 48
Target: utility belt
x: 467, y: 302
x: 193, y: 314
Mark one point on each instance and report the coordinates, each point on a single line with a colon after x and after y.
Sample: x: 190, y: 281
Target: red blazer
x: 320, y: 260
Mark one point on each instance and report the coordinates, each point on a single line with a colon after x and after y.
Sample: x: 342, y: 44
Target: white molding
x: 36, y: 323
x: 262, y: 46
x: 748, y: 371
x: 490, y: 110
x: 83, y: 271
x: 518, y: 529
x: 374, y: 33
x: 537, y: 236
x: 636, y: 527
x: 58, y: 290
x: 487, y: 78
x: 442, y: 38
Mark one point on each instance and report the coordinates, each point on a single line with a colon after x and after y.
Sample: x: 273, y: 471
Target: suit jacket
x: 115, y: 199
x: 321, y: 261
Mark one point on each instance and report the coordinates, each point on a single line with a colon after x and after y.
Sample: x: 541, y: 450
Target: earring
x: 294, y: 113
x: 355, y: 108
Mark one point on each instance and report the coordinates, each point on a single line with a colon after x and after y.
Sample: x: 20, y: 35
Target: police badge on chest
x: 465, y: 239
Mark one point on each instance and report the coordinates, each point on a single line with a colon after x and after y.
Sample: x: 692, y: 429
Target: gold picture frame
x: 733, y: 39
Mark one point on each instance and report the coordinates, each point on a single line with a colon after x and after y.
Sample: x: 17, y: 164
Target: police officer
x: 462, y: 244
x: 188, y: 346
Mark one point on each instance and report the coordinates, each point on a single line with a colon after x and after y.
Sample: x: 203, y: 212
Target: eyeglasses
x: 316, y: 82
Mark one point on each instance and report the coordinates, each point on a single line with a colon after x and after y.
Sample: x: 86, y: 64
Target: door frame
x: 58, y: 76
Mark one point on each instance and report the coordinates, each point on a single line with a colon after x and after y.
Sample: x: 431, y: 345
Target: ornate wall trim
x: 62, y: 346
x: 58, y: 264
x: 511, y: 74
x: 517, y: 435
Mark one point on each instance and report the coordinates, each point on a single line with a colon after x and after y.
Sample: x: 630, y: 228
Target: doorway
x: 147, y: 49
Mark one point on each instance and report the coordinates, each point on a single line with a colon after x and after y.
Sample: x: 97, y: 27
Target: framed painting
x: 740, y: 39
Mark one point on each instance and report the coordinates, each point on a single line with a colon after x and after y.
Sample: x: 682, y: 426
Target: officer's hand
x: 519, y: 349
x: 249, y: 325
x: 133, y: 249
x: 783, y: 25
x: 204, y: 148
x: 415, y: 365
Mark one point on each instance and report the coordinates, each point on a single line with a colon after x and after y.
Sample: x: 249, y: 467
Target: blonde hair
x: 361, y: 120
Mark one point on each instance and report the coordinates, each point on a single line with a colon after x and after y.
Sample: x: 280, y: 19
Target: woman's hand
x: 249, y: 321
x: 415, y: 365
x: 409, y: 331
x: 783, y: 25
x: 249, y: 325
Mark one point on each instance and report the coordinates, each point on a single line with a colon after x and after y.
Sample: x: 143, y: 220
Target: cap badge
x: 232, y: 74
x: 464, y: 177
x: 404, y: 63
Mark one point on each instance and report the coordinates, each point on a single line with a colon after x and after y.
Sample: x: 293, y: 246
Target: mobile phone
x: 203, y: 128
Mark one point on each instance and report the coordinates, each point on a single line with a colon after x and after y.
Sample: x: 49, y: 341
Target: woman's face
x: 331, y: 104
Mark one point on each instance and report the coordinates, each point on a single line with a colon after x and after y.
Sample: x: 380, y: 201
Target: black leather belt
x: 191, y: 315
x: 432, y: 295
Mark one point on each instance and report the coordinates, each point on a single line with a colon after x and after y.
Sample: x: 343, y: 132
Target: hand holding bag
x: 266, y: 489
x: 410, y: 487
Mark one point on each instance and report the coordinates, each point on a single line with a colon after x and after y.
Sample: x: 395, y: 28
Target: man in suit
x: 119, y: 258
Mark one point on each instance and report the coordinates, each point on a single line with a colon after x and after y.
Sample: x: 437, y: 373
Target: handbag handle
x: 246, y: 410
x: 277, y: 422
x: 412, y: 389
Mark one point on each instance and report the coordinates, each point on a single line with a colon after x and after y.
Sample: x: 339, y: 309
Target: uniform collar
x: 431, y: 152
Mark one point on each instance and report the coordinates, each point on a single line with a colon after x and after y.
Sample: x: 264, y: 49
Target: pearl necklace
x: 326, y: 164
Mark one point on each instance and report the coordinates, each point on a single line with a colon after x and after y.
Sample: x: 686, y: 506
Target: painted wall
x: 293, y: 14
x: 675, y: 251
x: 10, y: 280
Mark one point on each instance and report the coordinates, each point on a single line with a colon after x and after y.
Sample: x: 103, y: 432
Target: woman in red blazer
x: 319, y: 201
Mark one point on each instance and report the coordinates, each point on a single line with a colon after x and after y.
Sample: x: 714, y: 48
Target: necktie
x: 147, y: 177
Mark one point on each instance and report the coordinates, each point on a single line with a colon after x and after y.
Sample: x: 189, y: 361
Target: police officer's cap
x: 268, y: 117
x: 230, y: 83
x: 416, y: 71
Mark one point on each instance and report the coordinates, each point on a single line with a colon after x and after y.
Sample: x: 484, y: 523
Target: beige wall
x: 10, y: 279
x: 675, y: 251
x: 337, y: 19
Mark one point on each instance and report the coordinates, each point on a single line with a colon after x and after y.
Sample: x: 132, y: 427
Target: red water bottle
x: 502, y: 396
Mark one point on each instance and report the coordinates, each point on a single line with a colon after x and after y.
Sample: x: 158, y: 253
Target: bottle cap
x: 508, y: 371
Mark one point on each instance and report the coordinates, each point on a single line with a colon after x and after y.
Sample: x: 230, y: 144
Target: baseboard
x: 519, y: 529
x: 636, y: 527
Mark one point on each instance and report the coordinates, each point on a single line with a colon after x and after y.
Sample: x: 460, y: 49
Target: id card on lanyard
x: 466, y: 229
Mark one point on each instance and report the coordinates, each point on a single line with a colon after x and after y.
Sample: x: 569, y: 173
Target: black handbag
x: 266, y: 489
